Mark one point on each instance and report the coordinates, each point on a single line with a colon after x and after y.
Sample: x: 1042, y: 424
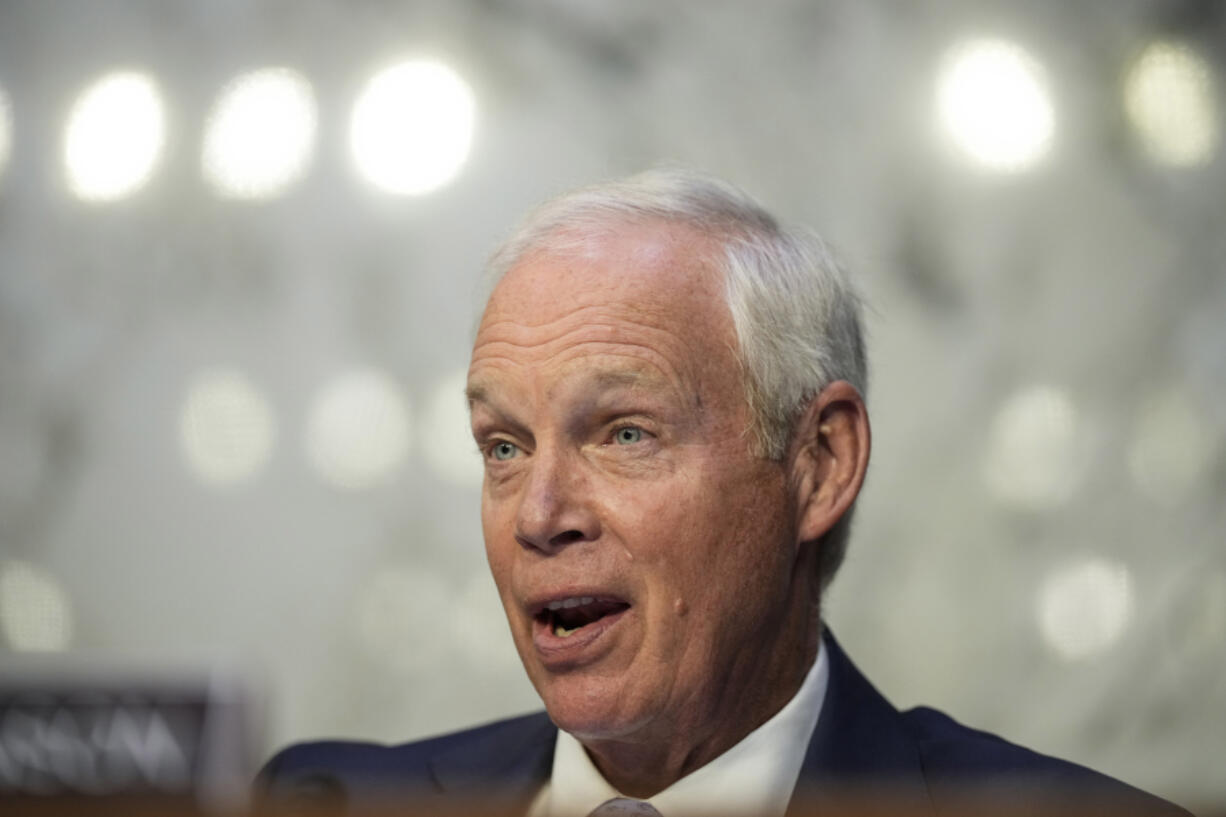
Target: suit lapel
x: 860, y: 747
x: 507, y: 765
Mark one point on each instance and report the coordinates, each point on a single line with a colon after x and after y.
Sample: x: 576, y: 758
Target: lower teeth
x: 562, y: 632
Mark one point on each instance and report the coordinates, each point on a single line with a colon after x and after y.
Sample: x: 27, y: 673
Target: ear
x: 829, y: 458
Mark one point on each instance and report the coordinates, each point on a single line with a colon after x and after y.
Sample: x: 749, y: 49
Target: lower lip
x: 584, y: 646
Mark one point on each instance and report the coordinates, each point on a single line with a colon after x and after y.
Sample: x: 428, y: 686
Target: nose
x: 555, y: 505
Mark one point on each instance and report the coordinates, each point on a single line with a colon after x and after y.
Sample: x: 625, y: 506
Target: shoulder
x: 323, y: 771
x: 957, y: 758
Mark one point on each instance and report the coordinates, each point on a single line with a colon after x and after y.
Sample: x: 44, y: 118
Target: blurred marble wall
x: 233, y: 330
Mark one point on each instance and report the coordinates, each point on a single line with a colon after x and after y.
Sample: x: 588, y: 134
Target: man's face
x: 644, y: 555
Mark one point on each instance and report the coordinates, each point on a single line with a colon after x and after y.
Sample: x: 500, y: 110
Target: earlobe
x: 830, y: 458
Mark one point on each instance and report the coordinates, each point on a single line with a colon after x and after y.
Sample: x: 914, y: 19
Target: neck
x: 760, y: 683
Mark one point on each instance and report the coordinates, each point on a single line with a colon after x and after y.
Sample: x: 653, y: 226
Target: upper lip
x: 538, y: 604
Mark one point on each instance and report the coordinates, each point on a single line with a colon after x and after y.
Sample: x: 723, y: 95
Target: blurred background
x: 240, y: 246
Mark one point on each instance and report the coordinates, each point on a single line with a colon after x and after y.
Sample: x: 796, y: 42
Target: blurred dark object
x: 78, y: 737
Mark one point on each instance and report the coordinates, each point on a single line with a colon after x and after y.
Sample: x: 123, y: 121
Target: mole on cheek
x: 680, y: 607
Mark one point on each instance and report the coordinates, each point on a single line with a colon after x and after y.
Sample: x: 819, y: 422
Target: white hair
x: 795, y: 312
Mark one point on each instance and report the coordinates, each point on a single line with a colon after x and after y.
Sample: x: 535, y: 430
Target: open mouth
x: 565, y: 617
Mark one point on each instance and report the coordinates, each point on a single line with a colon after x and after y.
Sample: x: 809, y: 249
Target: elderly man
x: 667, y: 388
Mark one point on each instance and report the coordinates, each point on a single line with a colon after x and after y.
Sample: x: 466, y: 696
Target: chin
x: 590, y: 710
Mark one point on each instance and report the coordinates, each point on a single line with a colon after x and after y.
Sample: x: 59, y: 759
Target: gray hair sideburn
x: 795, y: 311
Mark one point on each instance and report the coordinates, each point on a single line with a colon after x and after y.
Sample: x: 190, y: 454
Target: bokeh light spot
x: 226, y: 427
x: 358, y: 429
x: 1170, y: 100
x: 446, y: 436
x: 1033, y: 458
x: 114, y: 137
x: 35, y: 612
x: 1083, y: 608
x: 412, y: 127
x: 992, y: 101
x: 260, y: 134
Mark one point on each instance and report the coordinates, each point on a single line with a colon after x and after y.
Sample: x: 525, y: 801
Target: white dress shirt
x: 756, y: 776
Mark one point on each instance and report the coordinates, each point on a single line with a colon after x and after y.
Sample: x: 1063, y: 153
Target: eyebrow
x: 476, y: 394
x: 619, y: 378
x: 480, y: 394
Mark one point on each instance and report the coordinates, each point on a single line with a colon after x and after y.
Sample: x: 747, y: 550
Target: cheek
x: 739, y: 549
x: 678, y: 543
x: 499, y: 542
x: 660, y: 527
x: 500, y: 547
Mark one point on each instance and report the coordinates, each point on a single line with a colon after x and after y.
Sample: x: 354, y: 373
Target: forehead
x: 646, y: 267
x: 642, y: 297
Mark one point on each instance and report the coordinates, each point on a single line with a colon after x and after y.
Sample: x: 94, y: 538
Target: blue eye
x: 629, y: 435
x: 504, y: 450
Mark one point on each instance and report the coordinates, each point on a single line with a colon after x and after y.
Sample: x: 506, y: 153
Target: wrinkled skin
x: 608, y: 401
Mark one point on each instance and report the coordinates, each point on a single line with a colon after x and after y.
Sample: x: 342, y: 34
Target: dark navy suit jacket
x: 862, y: 748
